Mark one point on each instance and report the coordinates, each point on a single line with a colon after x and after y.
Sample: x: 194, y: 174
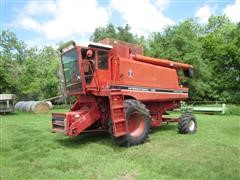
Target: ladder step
x: 116, y: 93
x: 117, y: 112
x: 119, y: 120
x: 58, y: 123
x: 118, y: 107
x: 121, y: 133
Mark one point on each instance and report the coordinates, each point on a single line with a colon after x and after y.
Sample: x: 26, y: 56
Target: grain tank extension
x: 120, y: 91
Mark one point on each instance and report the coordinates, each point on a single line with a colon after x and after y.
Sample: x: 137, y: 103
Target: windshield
x: 71, y: 71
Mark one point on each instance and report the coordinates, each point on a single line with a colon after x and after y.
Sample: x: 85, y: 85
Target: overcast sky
x: 48, y: 22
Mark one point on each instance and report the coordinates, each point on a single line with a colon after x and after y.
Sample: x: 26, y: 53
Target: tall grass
x: 233, y: 110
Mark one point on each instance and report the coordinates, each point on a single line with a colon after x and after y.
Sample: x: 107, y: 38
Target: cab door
x: 103, y: 67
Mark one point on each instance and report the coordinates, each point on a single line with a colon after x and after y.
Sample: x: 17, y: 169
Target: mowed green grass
x: 30, y: 151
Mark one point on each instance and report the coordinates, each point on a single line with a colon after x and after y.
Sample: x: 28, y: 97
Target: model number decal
x: 145, y: 89
x: 141, y: 89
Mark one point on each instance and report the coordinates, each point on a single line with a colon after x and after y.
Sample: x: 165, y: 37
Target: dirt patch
x: 128, y: 176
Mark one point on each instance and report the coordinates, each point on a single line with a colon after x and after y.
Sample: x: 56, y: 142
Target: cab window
x: 102, y: 60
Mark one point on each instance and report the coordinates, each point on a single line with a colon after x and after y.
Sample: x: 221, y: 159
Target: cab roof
x: 70, y: 44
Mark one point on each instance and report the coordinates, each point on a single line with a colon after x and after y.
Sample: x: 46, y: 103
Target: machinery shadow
x: 7, y: 113
x: 86, y: 139
x: 104, y: 139
x: 165, y: 127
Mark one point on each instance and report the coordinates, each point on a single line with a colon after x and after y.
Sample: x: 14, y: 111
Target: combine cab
x: 120, y: 91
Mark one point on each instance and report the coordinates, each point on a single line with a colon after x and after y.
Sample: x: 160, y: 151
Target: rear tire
x: 138, y: 124
x: 187, y: 124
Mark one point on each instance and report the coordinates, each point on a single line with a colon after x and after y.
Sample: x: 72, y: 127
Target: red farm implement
x: 120, y: 91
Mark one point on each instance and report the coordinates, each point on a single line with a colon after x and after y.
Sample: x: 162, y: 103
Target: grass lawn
x: 30, y: 151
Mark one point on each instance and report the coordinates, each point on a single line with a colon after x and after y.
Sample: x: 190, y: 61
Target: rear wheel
x: 187, y: 123
x: 138, y: 124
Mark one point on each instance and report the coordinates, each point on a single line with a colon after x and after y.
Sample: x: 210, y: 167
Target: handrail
x: 95, y: 78
x: 73, y: 84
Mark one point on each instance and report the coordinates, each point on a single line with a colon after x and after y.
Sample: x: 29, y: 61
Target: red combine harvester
x: 119, y: 90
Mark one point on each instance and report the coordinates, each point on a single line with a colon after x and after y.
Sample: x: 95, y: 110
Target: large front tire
x: 138, y: 124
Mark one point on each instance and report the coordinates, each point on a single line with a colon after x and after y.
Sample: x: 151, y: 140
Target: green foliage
x: 30, y: 73
x: 11, y: 55
x: 110, y: 31
x: 221, y: 48
x: 233, y: 110
x: 104, y: 32
x: 180, y: 43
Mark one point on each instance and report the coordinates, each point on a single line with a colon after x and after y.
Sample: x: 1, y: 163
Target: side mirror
x: 188, y: 72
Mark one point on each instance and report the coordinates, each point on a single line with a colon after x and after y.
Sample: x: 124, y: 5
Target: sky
x: 51, y: 21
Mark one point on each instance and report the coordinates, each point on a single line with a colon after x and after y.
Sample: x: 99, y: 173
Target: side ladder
x: 117, y: 113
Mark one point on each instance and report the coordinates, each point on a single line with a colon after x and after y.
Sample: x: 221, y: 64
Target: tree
x: 49, y: 64
x: 221, y: 47
x: 30, y: 73
x: 181, y: 43
x: 104, y: 32
x: 12, y: 54
x: 39, y: 79
x: 110, y: 31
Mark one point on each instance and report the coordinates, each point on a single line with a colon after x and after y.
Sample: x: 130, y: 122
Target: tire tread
x: 127, y: 140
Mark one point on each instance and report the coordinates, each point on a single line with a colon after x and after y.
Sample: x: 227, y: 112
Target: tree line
x: 213, y: 49
x: 30, y: 73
